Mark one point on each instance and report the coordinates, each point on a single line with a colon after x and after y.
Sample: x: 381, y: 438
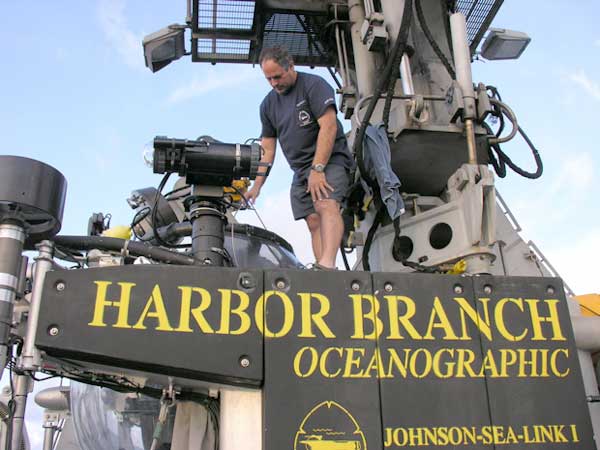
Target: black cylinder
x: 35, y: 193
x: 208, y: 233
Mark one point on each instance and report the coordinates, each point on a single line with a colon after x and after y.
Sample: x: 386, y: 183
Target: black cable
x: 134, y: 248
x: 370, y: 235
x: 396, y: 56
x: 174, y: 191
x: 137, y: 218
x: 436, y: 48
x: 381, y: 85
x: 344, y: 258
x: 155, y: 209
x: 502, y: 159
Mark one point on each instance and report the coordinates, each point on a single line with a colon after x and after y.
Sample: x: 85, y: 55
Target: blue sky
x: 75, y: 94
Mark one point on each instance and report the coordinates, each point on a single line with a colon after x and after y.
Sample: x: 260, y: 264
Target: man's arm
x: 317, y: 183
x: 268, y: 144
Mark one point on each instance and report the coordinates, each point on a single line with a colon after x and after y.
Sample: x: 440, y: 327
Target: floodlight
x: 206, y: 163
x: 164, y: 46
x: 504, y: 44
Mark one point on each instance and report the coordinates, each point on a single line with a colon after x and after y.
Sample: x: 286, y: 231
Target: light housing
x: 504, y: 44
x: 164, y: 46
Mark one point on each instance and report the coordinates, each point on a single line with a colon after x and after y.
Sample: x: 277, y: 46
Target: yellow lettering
x: 483, y: 324
x: 323, y: 361
x: 372, y: 316
x: 404, y: 319
x: 197, y: 313
x: 552, y: 318
x: 442, y: 322
x: 159, y: 312
x: 553, y: 365
x: 308, y: 317
x: 101, y: 303
x: 288, y: 314
x: 227, y: 311
x: 499, y: 318
x: 313, y: 361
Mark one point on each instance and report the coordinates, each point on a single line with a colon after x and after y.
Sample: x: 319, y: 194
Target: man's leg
x: 313, y: 221
x: 331, y: 227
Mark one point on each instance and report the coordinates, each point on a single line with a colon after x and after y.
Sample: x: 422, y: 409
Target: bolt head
x: 355, y: 286
x: 280, y: 284
x: 388, y: 287
x: 487, y: 289
x: 244, y: 362
x: 53, y: 331
x: 550, y: 290
x: 458, y: 289
x: 60, y: 286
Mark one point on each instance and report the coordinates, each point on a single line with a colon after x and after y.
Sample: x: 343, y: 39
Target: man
x: 300, y: 111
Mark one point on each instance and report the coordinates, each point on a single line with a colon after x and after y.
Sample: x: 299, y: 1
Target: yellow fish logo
x: 329, y: 426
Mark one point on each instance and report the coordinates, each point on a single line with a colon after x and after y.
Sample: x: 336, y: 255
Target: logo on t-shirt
x: 304, y: 118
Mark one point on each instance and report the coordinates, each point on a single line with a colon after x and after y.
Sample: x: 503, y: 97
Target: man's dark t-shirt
x: 292, y: 118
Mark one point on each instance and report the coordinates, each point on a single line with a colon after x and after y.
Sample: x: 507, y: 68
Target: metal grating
x: 236, y: 30
x: 225, y: 14
x: 228, y: 49
x: 298, y: 33
x: 479, y: 15
x: 223, y: 30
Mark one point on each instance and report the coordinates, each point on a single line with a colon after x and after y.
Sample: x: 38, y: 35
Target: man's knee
x: 328, y: 206
x: 313, y: 222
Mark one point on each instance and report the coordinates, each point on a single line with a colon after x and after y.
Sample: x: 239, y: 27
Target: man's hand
x: 318, y: 186
x: 252, y: 194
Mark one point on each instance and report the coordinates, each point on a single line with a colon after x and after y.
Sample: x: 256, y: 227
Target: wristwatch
x: 318, y: 168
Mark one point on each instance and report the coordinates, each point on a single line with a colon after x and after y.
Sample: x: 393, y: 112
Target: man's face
x: 280, y: 79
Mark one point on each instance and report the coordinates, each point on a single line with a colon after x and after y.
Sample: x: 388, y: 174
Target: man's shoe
x: 317, y: 266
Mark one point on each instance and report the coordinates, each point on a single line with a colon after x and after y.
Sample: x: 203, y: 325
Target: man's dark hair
x: 278, y: 54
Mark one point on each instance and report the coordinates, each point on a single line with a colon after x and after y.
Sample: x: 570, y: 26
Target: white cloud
x: 114, y: 25
x: 576, y: 176
x: 212, y: 81
x: 597, y: 42
x: 590, y: 86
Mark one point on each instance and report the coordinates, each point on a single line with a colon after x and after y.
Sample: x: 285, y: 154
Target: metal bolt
x: 53, y: 331
x: 246, y: 282
x: 550, y: 290
x: 487, y: 289
x: 244, y: 361
x: 458, y: 289
x: 355, y: 285
x: 388, y: 287
x: 280, y: 284
x: 60, y: 286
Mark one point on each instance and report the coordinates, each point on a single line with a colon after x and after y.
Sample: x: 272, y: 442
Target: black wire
x: 370, y: 235
x: 436, y: 48
x: 174, y: 191
x: 501, y: 159
x: 11, y: 407
x: 344, y: 258
x: 156, y: 236
x: 137, y: 219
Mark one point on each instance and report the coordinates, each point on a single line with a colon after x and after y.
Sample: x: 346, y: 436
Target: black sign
x: 179, y: 321
x: 346, y: 360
